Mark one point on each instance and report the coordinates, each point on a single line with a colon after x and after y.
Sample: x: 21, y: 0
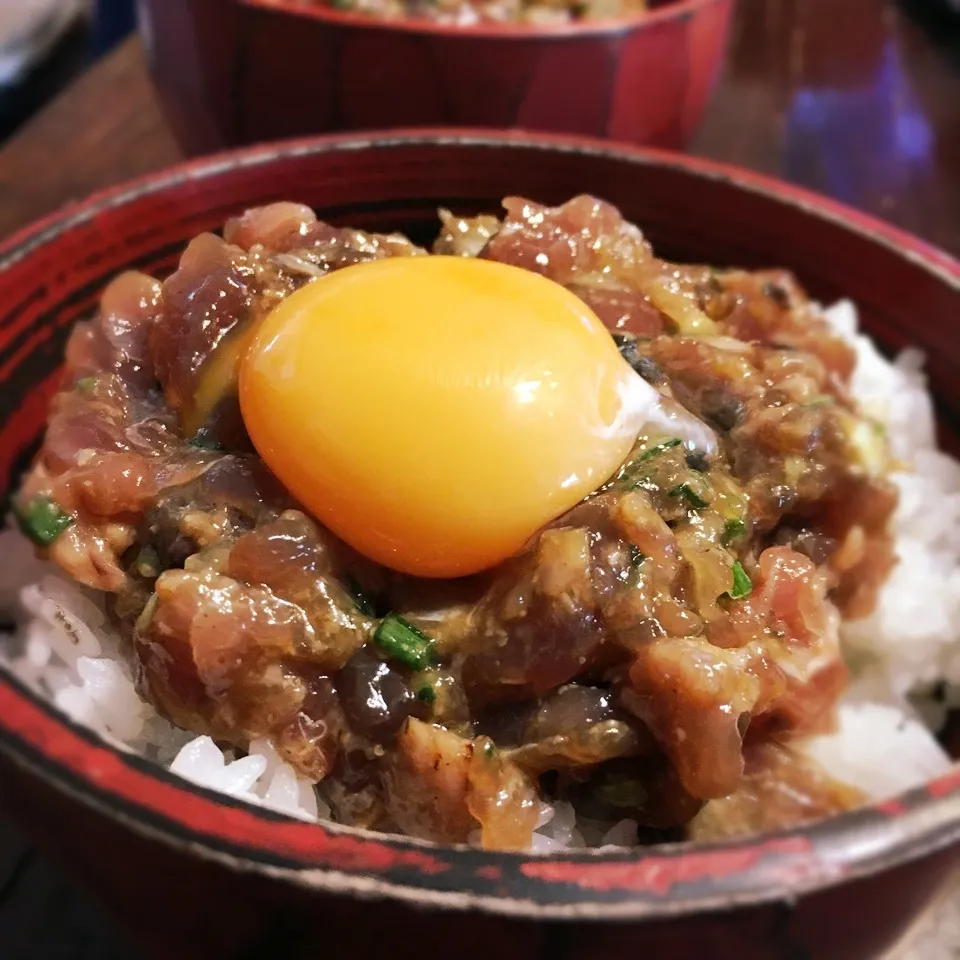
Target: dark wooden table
x: 859, y: 99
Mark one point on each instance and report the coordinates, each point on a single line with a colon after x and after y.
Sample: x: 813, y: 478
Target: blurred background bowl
x: 200, y: 875
x: 234, y: 72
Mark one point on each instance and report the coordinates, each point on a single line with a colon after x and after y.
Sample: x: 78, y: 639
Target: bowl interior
x: 51, y: 274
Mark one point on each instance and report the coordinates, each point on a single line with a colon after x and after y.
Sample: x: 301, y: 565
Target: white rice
x: 911, y: 643
x: 65, y: 648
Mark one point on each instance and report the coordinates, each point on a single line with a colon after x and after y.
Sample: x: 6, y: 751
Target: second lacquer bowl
x: 235, y: 72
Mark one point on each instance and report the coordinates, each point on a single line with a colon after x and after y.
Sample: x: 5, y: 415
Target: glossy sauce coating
x: 645, y: 655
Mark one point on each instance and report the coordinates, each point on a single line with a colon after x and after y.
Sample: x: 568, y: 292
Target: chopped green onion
x: 655, y: 451
x: 868, y: 446
x: 489, y: 749
x: 742, y: 587
x: 86, y: 384
x: 631, y: 576
x: 631, y: 469
x: 427, y: 685
x: 203, y: 441
x: 360, y: 600
x: 41, y: 519
x: 733, y: 530
x: 690, y: 495
x: 147, y: 563
x: 146, y: 614
x: 624, y: 793
x: 401, y: 640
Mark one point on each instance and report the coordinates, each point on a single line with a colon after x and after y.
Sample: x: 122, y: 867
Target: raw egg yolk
x: 436, y: 412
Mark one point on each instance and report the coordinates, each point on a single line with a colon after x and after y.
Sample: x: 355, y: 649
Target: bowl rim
x: 614, y: 27
x: 659, y: 881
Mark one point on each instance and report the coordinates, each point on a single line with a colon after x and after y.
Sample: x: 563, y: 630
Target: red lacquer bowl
x: 199, y: 875
x: 234, y: 72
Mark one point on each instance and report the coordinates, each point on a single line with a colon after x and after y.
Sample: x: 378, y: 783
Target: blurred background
x: 858, y: 99
x: 45, y: 43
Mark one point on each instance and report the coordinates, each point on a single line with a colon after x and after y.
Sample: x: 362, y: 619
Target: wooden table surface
x: 858, y: 99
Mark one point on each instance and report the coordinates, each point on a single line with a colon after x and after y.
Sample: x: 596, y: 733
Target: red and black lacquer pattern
x: 240, y: 71
x: 50, y: 275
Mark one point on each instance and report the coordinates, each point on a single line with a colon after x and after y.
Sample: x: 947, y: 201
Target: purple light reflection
x: 863, y: 143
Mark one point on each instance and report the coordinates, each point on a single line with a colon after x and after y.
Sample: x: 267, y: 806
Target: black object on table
x: 84, y: 42
x: 112, y: 21
x: 19, y: 101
